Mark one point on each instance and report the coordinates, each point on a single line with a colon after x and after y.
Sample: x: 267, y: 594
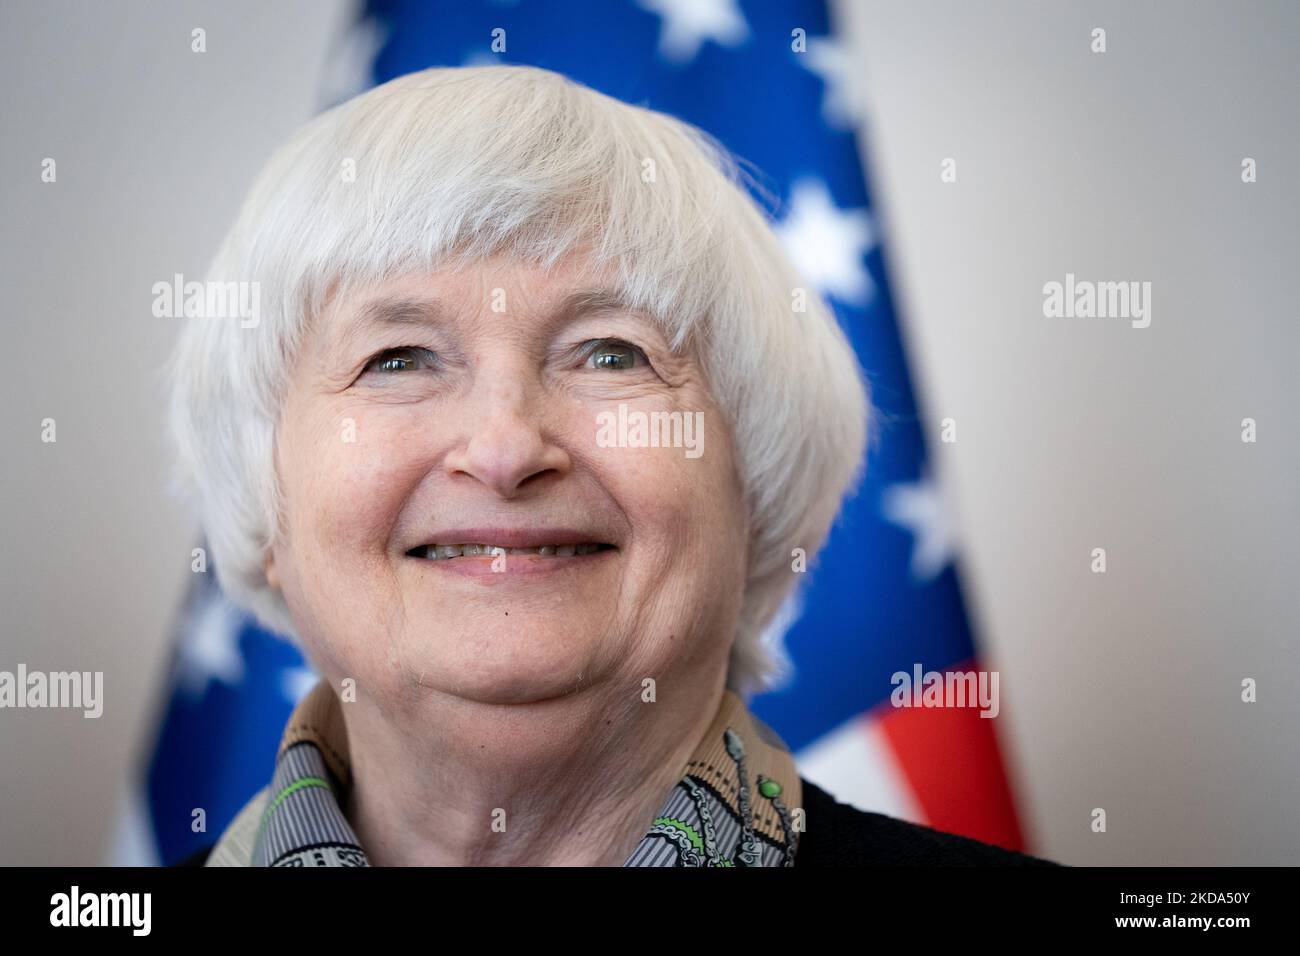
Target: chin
x: 528, y: 660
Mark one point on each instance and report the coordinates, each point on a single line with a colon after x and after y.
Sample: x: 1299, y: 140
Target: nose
x: 505, y: 443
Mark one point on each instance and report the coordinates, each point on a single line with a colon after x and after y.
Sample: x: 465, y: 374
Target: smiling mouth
x: 449, y: 552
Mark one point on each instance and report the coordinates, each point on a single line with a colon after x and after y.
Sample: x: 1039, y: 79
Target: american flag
x: 778, y: 87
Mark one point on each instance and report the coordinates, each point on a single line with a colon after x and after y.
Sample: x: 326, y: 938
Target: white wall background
x: 1119, y: 691
x: 1122, y: 690
x: 155, y: 148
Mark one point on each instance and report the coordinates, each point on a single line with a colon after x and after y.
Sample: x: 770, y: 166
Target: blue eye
x: 401, y: 360
x: 613, y: 355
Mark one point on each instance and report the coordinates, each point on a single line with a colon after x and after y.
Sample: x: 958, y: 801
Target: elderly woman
x: 533, y: 415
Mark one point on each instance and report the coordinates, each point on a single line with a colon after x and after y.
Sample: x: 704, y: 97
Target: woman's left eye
x: 612, y: 354
x: 401, y: 360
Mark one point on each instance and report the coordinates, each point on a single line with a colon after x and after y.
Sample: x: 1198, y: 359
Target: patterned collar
x: 732, y: 806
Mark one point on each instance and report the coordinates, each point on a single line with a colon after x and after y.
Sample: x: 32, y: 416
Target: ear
x: 272, y: 576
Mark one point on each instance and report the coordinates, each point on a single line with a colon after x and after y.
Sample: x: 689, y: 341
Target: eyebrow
x: 401, y: 311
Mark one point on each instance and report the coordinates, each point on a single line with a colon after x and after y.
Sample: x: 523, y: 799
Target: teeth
x: 442, y: 551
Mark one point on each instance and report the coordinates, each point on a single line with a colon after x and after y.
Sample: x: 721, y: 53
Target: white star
x: 295, y: 682
x: 844, y: 103
x: 211, y: 649
x: 688, y: 23
x: 828, y: 244
x: 922, y: 510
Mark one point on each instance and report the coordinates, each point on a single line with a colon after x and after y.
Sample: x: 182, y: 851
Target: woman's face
x: 498, y: 406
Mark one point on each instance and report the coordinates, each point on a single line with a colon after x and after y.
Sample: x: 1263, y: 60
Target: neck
x: 575, y: 780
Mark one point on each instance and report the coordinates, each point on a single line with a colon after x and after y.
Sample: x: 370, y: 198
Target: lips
x: 454, y: 544
x: 445, y: 552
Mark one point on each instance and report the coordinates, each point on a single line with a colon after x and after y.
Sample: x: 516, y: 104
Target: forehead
x: 536, y: 295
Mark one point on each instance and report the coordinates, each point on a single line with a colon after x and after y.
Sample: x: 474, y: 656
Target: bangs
x: 441, y: 170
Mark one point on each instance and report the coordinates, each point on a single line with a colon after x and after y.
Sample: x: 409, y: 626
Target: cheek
x: 344, y: 484
x: 675, y: 504
x: 344, y: 491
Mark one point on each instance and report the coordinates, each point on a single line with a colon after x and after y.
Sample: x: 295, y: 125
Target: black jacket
x: 840, y: 835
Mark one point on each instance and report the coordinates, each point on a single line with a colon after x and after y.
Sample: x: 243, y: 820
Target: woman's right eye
x: 406, y: 359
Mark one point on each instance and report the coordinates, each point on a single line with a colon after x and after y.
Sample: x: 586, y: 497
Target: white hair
x: 454, y: 164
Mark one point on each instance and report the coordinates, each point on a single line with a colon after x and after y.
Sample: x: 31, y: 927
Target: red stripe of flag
x: 951, y: 760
